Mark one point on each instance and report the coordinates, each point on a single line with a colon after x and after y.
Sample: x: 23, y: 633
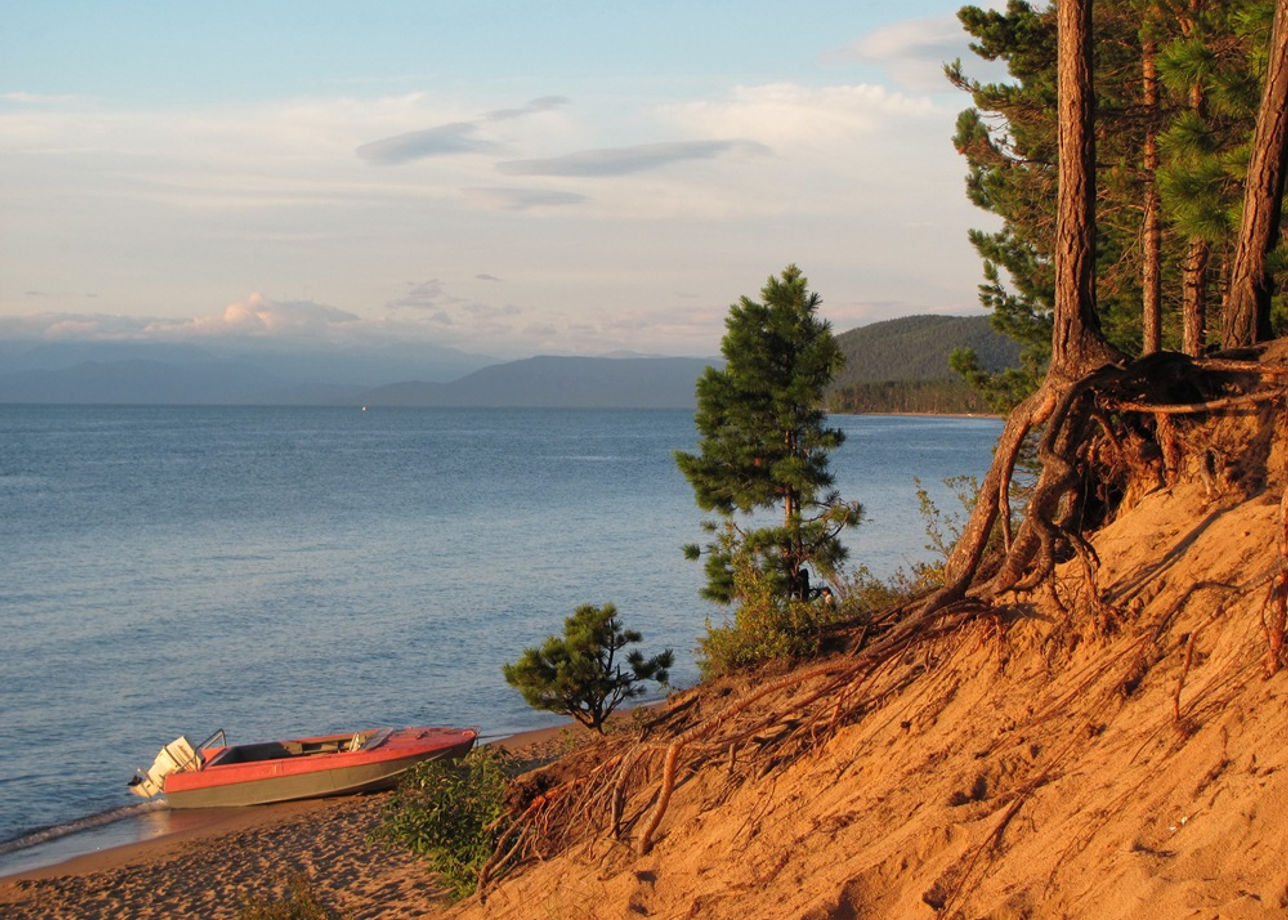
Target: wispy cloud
x: 459, y: 137
x: 421, y: 295
x: 520, y: 199
x: 621, y: 161
x: 542, y: 104
x: 438, y: 305
x: 453, y: 138
x: 40, y: 99
x: 69, y: 326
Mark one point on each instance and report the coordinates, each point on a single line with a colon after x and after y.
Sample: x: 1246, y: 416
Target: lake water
x: 288, y: 571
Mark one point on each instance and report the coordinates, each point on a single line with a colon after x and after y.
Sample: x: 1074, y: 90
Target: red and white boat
x: 219, y: 775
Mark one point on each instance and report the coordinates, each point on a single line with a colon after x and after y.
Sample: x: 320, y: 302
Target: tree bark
x: 1246, y: 314
x: 1194, y: 267
x: 1077, y: 345
x: 1151, y: 227
x: 1076, y: 341
x: 1194, y: 274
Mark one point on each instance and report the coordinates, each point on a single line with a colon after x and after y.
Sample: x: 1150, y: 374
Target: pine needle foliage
x: 764, y: 444
x: 582, y: 674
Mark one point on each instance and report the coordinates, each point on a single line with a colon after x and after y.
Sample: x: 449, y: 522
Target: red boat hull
x: 315, y: 767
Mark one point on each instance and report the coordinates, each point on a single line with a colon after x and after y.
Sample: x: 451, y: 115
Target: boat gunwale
x: 410, y: 744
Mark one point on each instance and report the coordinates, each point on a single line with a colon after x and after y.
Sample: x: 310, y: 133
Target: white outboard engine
x: 175, y: 757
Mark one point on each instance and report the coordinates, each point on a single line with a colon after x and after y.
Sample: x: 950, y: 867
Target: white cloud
x: 913, y: 51
x: 255, y: 316
x: 259, y: 316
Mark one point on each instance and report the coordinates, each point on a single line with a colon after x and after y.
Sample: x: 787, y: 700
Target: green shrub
x: 864, y: 594
x: 580, y: 674
x: 767, y: 627
x: 300, y: 903
x: 451, y: 812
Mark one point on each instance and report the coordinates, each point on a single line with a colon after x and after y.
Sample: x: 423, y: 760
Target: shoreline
x: 196, y: 830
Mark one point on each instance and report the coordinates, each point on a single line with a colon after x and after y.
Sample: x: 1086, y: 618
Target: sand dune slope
x: 1041, y: 764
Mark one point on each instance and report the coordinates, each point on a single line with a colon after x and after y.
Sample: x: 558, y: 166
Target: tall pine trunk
x: 1194, y: 285
x: 1077, y: 344
x: 1246, y: 313
x: 1151, y: 227
x: 1194, y: 268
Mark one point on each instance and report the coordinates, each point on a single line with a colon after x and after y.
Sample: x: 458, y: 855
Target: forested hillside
x: 901, y: 365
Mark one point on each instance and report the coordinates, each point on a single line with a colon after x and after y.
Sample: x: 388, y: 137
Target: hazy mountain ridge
x: 175, y: 374
x: 549, y: 381
x: 905, y: 350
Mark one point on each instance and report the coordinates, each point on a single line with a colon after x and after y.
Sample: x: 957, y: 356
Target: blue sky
x: 505, y: 178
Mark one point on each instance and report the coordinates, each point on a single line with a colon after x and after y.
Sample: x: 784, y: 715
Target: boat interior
x: 277, y: 750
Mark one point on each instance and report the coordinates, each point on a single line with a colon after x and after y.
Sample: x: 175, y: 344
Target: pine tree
x: 1205, y: 67
x: 1151, y: 229
x: 764, y: 443
x: 580, y: 674
x: 1177, y: 85
x: 1009, y: 140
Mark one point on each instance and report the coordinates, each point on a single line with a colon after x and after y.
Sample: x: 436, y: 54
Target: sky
x: 506, y: 178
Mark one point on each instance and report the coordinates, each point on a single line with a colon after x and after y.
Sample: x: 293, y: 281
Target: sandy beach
x: 224, y: 858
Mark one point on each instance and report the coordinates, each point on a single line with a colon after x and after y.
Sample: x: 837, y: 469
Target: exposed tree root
x: 1124, y: 402
x: 1114, y: 432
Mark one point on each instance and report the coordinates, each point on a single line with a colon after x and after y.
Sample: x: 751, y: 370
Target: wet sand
x: 211, y: 862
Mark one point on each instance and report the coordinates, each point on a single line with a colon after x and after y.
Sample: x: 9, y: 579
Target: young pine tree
x: 581, y: 674
x: 764, y: 443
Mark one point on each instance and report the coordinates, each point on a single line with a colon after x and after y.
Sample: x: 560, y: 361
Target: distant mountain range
x: 563, y: 382
x: 174, y: 374
x: 912, y: 348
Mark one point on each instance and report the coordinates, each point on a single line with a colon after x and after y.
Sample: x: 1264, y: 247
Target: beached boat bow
x: 218, y: 775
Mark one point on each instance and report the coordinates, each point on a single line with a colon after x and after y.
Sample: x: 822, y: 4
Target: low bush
x: 766, y: 627
x: 450, y: 812
x: 300, y: 903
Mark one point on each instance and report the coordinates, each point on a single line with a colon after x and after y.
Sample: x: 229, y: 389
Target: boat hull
x: 260, y: 782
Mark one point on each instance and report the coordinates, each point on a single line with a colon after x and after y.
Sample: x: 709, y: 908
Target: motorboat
x: 216, y: 774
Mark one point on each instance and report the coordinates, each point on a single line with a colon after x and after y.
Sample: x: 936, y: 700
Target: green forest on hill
x: 902, y: 365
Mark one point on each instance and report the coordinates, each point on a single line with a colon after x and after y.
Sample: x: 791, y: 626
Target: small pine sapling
x: 581, y: 674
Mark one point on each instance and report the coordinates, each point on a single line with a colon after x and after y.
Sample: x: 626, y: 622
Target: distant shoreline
x: 368, y: 407
x: 924, y: 414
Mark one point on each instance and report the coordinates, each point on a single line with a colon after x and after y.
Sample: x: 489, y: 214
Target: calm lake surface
x: 288, y: 571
